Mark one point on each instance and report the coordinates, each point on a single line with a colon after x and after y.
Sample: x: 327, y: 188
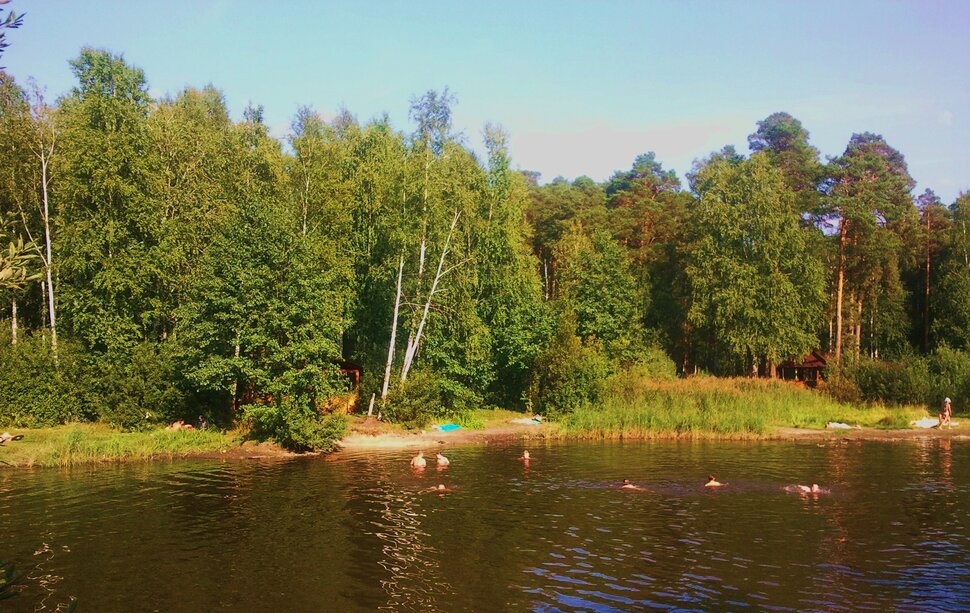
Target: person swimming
x: 805, y: 489
x: 418, y: 461
x: 442, y: 460
x: 525, y: 456
x: 438, y: 489
x: 627, y: 485
x: 713, y: 482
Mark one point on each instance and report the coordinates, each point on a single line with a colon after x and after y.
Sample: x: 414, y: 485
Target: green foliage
x: 756, y: 285
x: 914, y: 380
x: 75, y: 444
x: 37, y: 390
x: 295, y: 424
x: 420, y: 400
x: 949, y: 376
x: 653, y: 363
x: 138, y: 389
x: 569, y: 373
x: 893, y: 382
x: 199, y: 266
x: 951, y: 305
x: 635, y: 406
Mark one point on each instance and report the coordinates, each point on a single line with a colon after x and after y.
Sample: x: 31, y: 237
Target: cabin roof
x: 814, y: 359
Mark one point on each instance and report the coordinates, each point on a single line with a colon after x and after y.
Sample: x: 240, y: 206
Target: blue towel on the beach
x: 448, y: 427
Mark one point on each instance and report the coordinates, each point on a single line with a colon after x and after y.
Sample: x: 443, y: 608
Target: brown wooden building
x: 809, y: 369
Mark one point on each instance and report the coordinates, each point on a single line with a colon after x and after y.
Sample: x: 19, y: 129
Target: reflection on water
x: 358, y: 531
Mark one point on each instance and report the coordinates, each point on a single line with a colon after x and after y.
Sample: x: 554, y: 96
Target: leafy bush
x: 417, y: 402
x: 949, y: 371
x: 903, y: 382
x: 139, y: 389
x: 35, y: 389
x: 294, y: 424
x: 569, y: 373
x: 654, y: 363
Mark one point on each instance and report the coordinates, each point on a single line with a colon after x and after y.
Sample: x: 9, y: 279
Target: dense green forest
x: 162, y: 260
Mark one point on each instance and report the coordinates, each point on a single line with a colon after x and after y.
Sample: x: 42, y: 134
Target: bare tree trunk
x: 390, y: 349
x: 840, y: 289
x: 235, y: 383
x: 831, y: 340
x: 43, y: 310
x: 545, y: 277
x: 858, y: 330
x: 13, y: 321
x: 370, y: 408
x: 413, y: 345
x: 926, y: 298
x: 49, y: 263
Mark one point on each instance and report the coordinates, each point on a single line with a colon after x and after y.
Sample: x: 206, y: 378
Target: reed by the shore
x: 708, y: 407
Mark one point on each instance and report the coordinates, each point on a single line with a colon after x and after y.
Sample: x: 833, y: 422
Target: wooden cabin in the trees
x: 809, y: 369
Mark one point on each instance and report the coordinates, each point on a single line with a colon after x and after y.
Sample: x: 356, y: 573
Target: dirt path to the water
x: 376, y: 435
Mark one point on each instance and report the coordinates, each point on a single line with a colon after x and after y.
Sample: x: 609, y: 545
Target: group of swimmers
x: 418, y: 462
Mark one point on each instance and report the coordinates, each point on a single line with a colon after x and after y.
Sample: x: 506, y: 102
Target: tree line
x: 161, y: 259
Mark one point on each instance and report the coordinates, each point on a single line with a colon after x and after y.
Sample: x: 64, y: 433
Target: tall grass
x: 702, y: 407
x: 87, y: 443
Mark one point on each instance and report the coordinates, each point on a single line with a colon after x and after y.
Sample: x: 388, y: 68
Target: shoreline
x: 364, y: 436
x: 506, y: 434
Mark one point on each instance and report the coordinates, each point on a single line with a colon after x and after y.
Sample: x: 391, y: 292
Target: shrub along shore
x: 637, y: 408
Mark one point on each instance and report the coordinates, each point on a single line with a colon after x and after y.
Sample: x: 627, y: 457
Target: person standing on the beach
x: 946, y: 414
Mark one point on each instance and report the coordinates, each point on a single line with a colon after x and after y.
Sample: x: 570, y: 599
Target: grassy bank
x: 86, y: 443
x: 703, y: 407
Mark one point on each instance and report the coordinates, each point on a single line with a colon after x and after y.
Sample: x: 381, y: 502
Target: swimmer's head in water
x: 626, y: 482
x: 711, y: 478
x: 441, y: 486
x: 525, y: 453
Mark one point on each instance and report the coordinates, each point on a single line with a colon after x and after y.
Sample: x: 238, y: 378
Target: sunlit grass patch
x: 86, y: 443
x: 701, y: 407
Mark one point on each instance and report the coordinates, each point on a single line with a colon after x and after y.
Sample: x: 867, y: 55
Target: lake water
x: 355, y: 532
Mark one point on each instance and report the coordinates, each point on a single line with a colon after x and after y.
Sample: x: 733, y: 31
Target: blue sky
x: 581, y: 87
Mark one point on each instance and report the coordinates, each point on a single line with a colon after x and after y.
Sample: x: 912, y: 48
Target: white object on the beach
x: 926, y: 422
x: 525, y: 420
x: 840, y: 426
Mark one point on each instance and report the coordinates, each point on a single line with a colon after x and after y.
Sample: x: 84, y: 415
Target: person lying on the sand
x: 7, y: 437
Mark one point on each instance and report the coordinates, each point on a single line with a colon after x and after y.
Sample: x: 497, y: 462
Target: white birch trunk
x: 390, y: 349
x: 52, y: 313
x: 412, y: 349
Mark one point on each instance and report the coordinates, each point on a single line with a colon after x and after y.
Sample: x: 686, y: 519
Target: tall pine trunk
x: 839, y: 290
